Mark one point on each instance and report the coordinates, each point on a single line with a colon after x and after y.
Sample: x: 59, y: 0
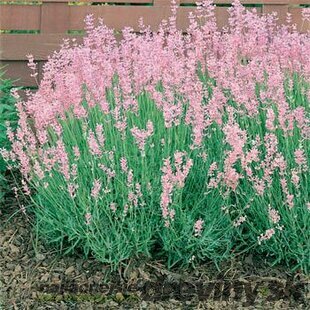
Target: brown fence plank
x: 118, y: 16
x: 167, y: 2
x: 54, y: 18
x: 221, y: 14
x: 39, y: 45
x: 20, y: 17
x: 101, y: 1
x: 303, y: 26
x: 18, y: 70
x: 164, y: 3
x: 281, y: 10
x: 118, y: 1
x: 252, y: 1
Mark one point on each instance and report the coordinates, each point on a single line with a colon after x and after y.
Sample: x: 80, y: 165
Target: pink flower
x: 113, y: 207
x: 181, y: 170
x: 74, y: 171
x: 198, y: 227
x: 300, y: 158
x: 266, y: 236
x: 270, y: 119
x: 109, y: 172
x: 63, y: 160
x: 38, y: 170
x: 88, y: 218
x: 274, y: 215
x: 259, y: 186
x: 32, y: 65
x: 231, y: 177
x: 72, y: 188
x: 141, y: 135
x: 295, y: 178
x: 124, y: 165
x: 212, y: 168
x: 26, y: 189
x: 126, y: 207
x: 76, y: 152
x: 96, y: 189
x: 130, y: 178
x: 236, y: 138
x: 290, y: 200
x: 239, y: 221
x: 171, y: 179
x: 100, y: 135
x: 305, y: 14
x: 93, y: 144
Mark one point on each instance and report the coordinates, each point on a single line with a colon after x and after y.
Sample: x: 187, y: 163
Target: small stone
x: 143, y: 304
x: 119, y: 297
x: 10, y: 266
x: 14, y: 249
x: 58, y: 298
x: 45, y: 277
x: 18, y: 269
x: 40, y: 257
x: 69, y: 270
x: 113, y: 304
x: 56, y: 279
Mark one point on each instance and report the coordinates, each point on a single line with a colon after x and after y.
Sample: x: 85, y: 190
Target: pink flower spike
x: 88, y: 217
x: 300, y: 158
x: 124, y: 165
x: 198, y: 227
x: 93, y: 145
x: 274, y: 215
x: 141, y: 135
x: 100, y: 135
x: 76, y: 152
x: 266, y: 236
x: 96, y: 189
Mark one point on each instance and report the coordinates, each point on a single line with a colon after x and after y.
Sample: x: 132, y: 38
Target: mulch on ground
x: 33, y: 277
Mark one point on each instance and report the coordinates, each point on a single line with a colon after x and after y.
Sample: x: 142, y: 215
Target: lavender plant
x: 188, y: 147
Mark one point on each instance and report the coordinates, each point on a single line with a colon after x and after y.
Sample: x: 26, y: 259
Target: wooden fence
x: 37, y: 27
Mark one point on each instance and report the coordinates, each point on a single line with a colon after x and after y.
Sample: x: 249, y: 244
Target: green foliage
x: 114, y: 236
x: 124, y: 231
x: 7, y: 114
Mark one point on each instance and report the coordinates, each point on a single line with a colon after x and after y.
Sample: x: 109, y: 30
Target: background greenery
x: 8, y: 113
